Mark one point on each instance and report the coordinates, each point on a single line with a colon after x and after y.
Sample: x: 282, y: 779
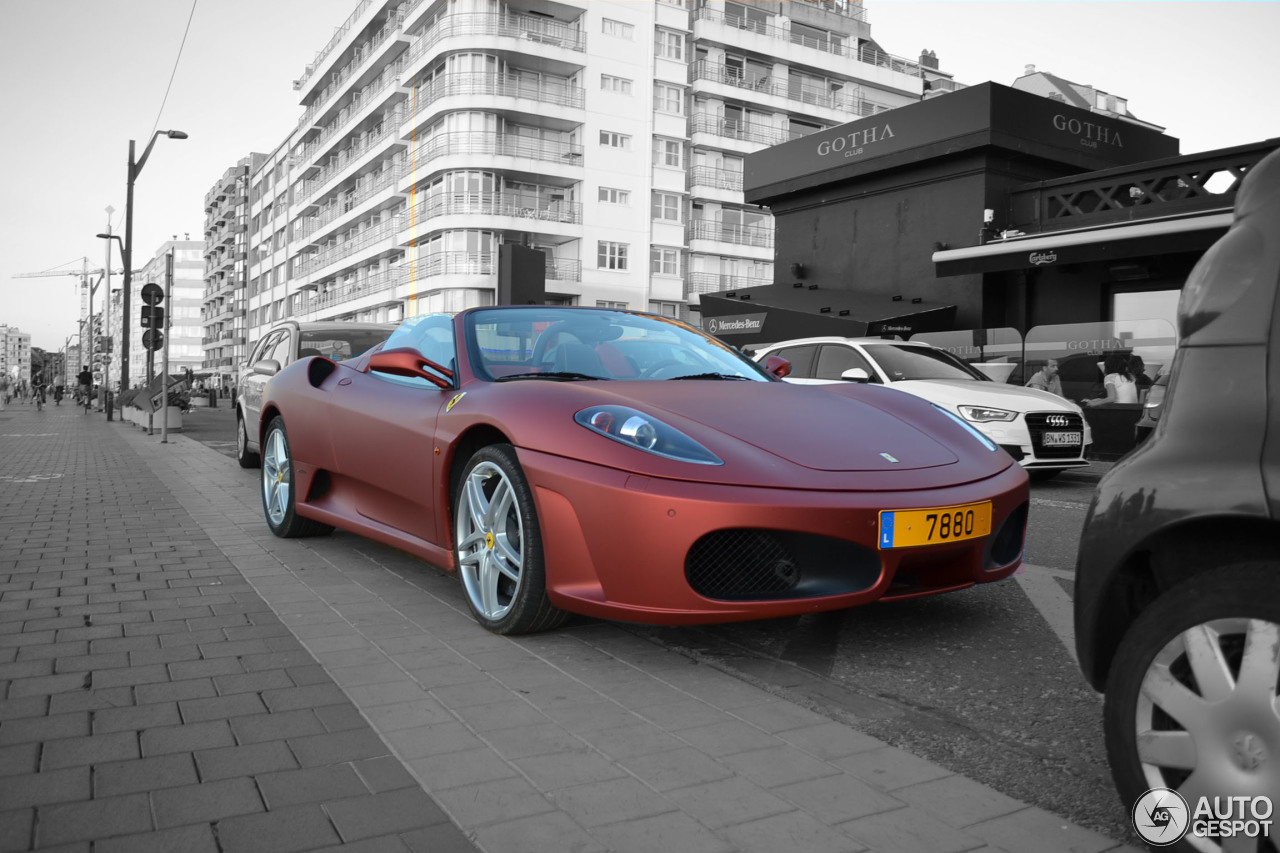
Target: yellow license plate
x: 908, y: 528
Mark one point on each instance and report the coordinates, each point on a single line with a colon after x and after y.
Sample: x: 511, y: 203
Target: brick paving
x: 175, y: 678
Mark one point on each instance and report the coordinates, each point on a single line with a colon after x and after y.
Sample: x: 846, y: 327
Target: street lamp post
x: 135, y: 167
x: 106, y: 371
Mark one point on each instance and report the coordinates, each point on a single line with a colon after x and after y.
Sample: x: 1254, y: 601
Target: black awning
x: 771, y: 313
x: 1119, y: 242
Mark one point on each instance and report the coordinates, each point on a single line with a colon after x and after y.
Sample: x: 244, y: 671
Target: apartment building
x: 226, y: 271
x: 15, y: 355
x: 608, y: 134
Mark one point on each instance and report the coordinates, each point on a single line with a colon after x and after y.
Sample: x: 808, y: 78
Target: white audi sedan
x: 1045, y: 433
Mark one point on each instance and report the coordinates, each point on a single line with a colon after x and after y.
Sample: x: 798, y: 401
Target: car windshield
x: 567, y: 344
x: 902, y: 362
x: 339, y: 344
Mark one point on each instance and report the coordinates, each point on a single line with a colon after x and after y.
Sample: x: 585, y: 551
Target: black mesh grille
x: 749, y: 564
x: 741, y: 564
x: 1040, y: 423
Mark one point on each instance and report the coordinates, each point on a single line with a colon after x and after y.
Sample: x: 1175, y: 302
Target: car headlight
x: 645, y: 432
x: 985, y: 414
x: 970, y: 428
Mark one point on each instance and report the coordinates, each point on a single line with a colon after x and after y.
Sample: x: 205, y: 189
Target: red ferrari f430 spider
x: 624, y: 465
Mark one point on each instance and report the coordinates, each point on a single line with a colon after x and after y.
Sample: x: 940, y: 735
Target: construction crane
x: 85, y: 274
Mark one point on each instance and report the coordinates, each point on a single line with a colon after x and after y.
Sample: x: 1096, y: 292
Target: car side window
x: 264, y: 347
x: 801, y: 359
x: 834, y: 359
x: 280, y: 350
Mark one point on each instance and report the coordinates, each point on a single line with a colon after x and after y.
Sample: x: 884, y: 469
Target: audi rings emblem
x: 1057, y: 420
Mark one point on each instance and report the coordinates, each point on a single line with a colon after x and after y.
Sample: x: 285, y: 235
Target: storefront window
x: 1081, y: 350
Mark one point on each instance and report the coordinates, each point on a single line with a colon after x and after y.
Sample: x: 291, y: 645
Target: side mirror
x: 778, y: 366
x: 856, y: 374
x: 267, y: 367
x: 407, y: 361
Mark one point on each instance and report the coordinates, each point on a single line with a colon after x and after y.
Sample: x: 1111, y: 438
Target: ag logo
x: 1161, y: 817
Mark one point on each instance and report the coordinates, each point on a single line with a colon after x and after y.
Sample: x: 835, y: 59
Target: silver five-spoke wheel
x: 279, y: 502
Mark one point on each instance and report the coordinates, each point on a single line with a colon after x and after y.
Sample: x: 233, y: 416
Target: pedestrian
x: 1047, y: 379
x: 1117, y: 381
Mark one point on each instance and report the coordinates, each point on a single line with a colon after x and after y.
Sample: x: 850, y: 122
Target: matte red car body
x: 379, y: 459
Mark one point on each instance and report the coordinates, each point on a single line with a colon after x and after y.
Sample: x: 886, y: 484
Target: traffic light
x: 152, y: 317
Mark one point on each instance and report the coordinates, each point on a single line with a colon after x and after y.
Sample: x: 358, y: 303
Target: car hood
x: 859, y: 429
x: 960, y: 392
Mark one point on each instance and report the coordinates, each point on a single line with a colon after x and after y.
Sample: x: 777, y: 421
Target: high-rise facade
x: 226, y: 266
x: 183, y: 309
x: 608, y: 134
x: 15, y: 355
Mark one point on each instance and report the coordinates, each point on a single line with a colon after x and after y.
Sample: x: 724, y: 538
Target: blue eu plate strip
x: 886, y: 530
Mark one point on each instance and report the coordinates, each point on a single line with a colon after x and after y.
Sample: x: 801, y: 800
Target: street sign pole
x: 164, y: 371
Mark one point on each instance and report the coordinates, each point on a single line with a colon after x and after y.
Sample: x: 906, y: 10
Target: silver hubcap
x: 242, y: 438
x: 1209, y: 714
x: 276, y: 477
x: 490, y: 537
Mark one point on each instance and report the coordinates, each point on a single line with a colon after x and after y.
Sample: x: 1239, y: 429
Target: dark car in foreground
x: 1177, y: 598
x: 624, y: 465
x: 281, y: 346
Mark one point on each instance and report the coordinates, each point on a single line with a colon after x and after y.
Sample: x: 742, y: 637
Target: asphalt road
x: 983, y: 682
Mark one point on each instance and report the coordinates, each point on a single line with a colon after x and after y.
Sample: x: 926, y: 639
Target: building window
x: 611, y: 27
x: 666, y: 206
x: 609, y: 83
x: 664, y: 260
x: 668, y: 152
x: 609, y: 139
x: 605, y: 303
x: 665, y: 309
x: 668, y: 98
x: 609, y: 195
x: 668, y: 44
x: 611, y: 256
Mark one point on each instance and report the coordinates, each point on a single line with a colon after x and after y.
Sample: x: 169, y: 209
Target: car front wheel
x: 279, y: 503
x: 498, y: 546
x: 1192, y: 697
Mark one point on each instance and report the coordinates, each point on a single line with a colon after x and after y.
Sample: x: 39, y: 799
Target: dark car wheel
x: 246, y: 457
x: 498, y: 546
x: 1191, y: 699
x: 278, y: 499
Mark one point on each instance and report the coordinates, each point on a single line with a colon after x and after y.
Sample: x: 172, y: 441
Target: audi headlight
x: 970, y: 428
x: 985, y: 414
x: 645, y: 432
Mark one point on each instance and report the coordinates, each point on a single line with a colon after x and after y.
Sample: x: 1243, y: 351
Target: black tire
x: 488, y: 557
x: 246, y: 457
x: 278, y: 499
x: 1226, y: 757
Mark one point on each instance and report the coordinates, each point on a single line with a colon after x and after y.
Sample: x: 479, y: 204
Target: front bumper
x: 1024, y: 440
x: 619, y: 546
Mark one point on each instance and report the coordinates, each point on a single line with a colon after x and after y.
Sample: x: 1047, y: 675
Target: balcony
x: 717, y: 178
x: 743, y: 131
x: 563, y: 270
x: 710, y: 282
x: 553, y: 91
x: 337, y: 293
x: 374, y: 48
x: 390, y: 121
x: 386, y: 178
x: 498, y: 204
x: 759, y: 236
x: 538, y: 30
x: 309, y: 264
x: 846, y: 99
x: 493, y: 144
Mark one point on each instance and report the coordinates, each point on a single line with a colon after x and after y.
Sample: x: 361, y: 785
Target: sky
x: 83, y: 77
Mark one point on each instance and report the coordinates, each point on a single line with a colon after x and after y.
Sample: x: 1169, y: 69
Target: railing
x: 359, y: 147
x: 848, y: 8
x: 385, y: 79
x: 1185, y: 185
x: 498, y: 204
x: 338, y: 34
x: 848, y: 98
x: 728, y: 232
x: 837, y: 45
x: 713, y: 176
x: 563, y: 270
x: 710, y: 282
x: 339, y: 292
x: 556, y: 91
x: 498, y: 24
x: 386, y: 178
x: 392, y: 118
x: 745, y: 131
x: 345, y: 248
x: 498, y: 144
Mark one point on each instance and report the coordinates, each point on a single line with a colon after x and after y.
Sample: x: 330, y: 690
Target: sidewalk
x: 175, y: 678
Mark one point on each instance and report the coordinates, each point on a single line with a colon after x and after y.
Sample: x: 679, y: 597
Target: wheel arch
x: 1163, y: 560
x: 466, y: 445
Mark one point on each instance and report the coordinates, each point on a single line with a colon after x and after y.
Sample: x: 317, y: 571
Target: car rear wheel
x: 1191, y: 701
x: 278, y: 498
x: 246, y: 457
x: 498, y: 546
